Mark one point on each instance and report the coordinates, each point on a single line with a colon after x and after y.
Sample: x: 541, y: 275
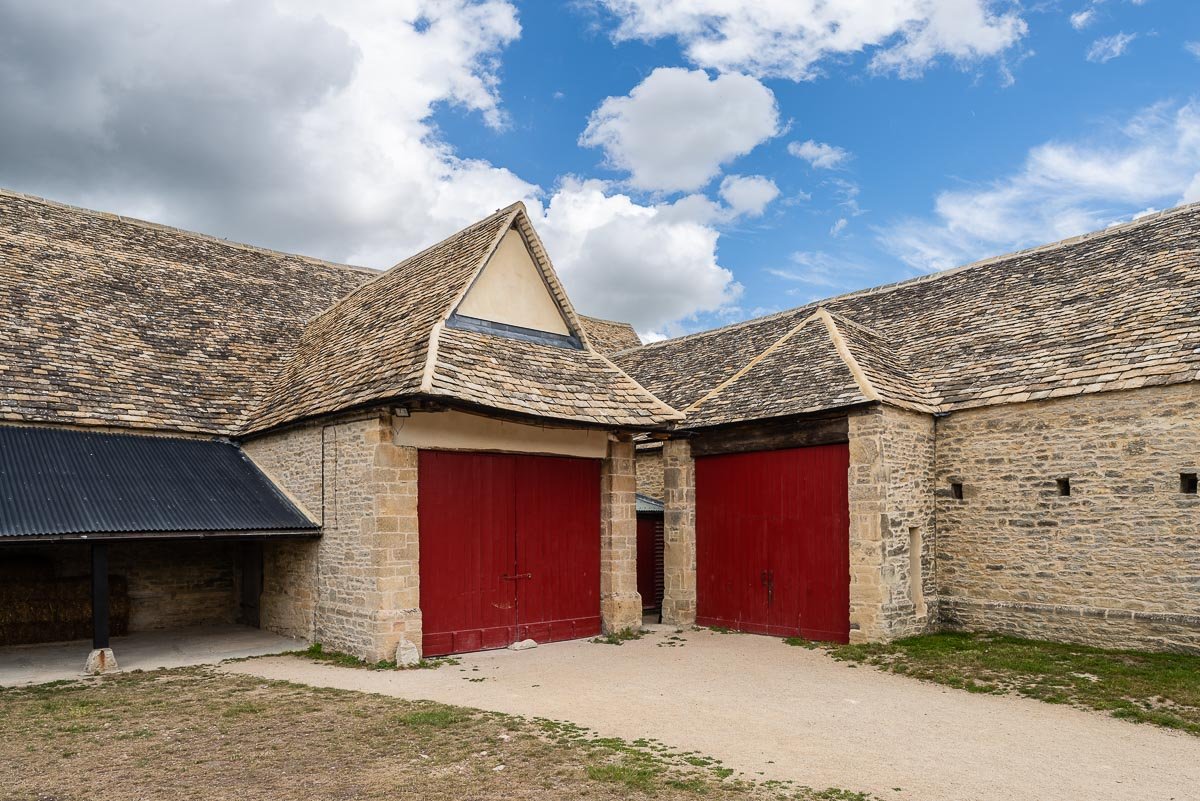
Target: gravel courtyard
x: 778, y: 712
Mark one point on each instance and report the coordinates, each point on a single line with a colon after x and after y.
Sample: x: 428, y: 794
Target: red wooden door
x: 467, y: 514
x: 650, y: 560
x: 772, y: 542
x: 510, y: 548
x: 558, y: 548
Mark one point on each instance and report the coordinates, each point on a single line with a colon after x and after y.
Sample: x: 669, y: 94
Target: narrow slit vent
x: 1189, y: 483
x: 1064, y: 487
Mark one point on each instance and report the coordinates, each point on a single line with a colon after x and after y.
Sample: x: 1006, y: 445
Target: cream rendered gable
x: 511, y: 290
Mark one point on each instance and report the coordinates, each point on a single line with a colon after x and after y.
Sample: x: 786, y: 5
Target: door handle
x: 517, y: 576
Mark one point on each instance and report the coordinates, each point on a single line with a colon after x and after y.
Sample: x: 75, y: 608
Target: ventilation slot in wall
x: 1188, y: 483
x: 1064, y: 487
x: 956, y: 490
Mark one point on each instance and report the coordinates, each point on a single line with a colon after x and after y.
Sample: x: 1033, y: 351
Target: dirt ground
x: 193, y: 733
x: 784, y: 713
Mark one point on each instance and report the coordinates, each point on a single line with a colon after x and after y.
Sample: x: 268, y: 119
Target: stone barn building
x: 1015, y: 445
x: 435, y: 455
x: 441, y: 457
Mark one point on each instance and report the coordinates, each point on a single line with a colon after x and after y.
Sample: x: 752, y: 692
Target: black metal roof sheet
x: 57, y: 482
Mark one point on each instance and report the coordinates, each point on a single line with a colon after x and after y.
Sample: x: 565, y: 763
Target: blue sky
x: 854, y: 148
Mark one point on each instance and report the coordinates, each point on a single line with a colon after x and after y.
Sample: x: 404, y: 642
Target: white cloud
x: 820, y: 155
x: 1083, y: 18
x: 307, y: 126
x: 748, y: 195
x: 677, y: 127
x: 822, y: 271
x: 1063, y: 189
x: 649, y: 265
x: 1106, y: 48
x: 1193, y: 48
x: 838, y: 227
x: 790, y: 38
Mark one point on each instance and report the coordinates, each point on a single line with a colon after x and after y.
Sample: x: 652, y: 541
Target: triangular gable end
x: 512, y: 293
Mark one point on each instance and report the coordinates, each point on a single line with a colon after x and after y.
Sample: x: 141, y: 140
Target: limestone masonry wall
x: 679, y: 533
x: 620, y: 603
x: 892, y: 533
x: 1116, y: 562
x: 650, y: 472
x: 359, y: 585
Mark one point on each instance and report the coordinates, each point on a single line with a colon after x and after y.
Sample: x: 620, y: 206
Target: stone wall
x: 359, y: 585
x: 679, y: 534
x: 1115, y: 563
x: 650, y: 471
x: 172, y: 584
x: 892, y: 531
x: 620, y: 602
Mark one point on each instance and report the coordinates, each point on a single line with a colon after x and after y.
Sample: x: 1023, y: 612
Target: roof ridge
x: 749, y: 365
x: 843, y: 351
x: 155, y: 226
x: 1111, y: 230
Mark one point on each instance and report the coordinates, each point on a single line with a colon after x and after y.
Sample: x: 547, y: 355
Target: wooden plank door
x: 772, y: 542
x: 467, y: 510
x: 557, y: 547
x: 731, y: 547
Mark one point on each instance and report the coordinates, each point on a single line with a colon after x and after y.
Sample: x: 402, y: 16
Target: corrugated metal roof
x: 64, y: 482
x: 647, y: 504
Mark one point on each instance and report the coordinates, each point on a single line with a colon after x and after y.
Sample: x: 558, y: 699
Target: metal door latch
x: 517, y: 576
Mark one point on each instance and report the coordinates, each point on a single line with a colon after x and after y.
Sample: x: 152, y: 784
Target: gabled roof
x: 118, y: 322
x: 110, y: 321
x: 1117, y: 309
x: 395, y: 337
x: 66, y: 483
x: 609, y: 336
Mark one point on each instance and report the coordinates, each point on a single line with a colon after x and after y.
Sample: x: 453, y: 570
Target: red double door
x: 510, y: 549
x: 772, y: 542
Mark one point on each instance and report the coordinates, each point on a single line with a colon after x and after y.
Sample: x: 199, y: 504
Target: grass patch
x: 621, y: 637
x: 198, y: 733
x: 1162, y: 689
x: 318, y: 653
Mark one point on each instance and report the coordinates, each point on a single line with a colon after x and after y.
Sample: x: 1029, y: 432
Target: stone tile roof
x: 609, y: 336
x: 1116, y: 309
x: 390, y: 339
x: 118, y: 322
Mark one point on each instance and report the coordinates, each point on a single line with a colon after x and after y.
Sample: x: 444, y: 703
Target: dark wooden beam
x: 771, y: 435
x: 99, y: 595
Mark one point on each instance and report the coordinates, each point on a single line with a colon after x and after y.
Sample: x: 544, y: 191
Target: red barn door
x: 772, y: 542
x: 510, y: 549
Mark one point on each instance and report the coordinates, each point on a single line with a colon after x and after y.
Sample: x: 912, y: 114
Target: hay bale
x: 54, y: 609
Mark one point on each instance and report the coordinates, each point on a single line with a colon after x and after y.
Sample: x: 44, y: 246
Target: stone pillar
x: 620, y: 603
x: 891, y: 511
x: 397, y: 547
x: 867, y: 490
x: 679, y: 534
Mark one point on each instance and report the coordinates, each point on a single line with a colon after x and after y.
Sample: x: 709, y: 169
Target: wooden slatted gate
x: 772, y: 542
x: 510, y: 549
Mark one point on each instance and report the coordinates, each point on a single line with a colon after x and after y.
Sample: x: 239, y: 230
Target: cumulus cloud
x: 748, y: 195
x: 1063, y: 189
x: 819, y: 154
x: 677, y: 127
x: 307, y: 126
x: 790, y: 38
x: 649, y: 265
x: 1106, y: 48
